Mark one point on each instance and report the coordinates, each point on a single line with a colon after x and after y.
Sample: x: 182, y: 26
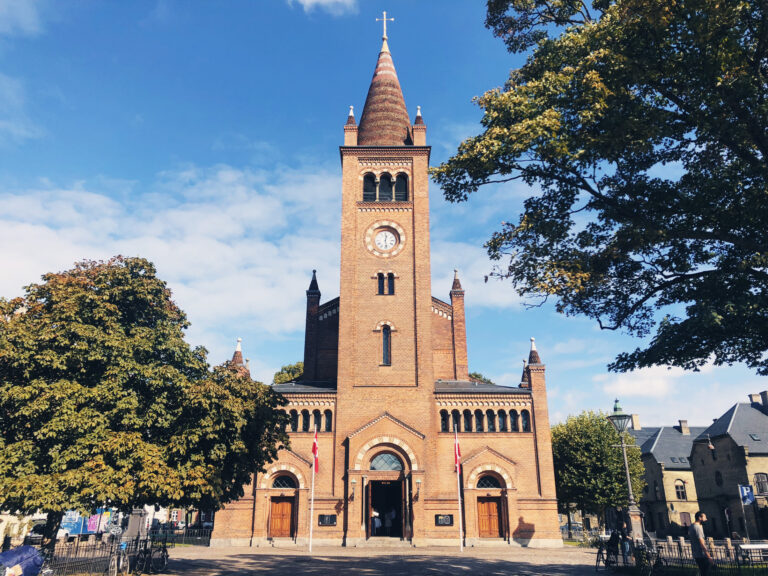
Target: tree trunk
x: 52, y: 523
x: 570, y: 528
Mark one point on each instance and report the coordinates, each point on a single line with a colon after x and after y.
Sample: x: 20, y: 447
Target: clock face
x: 385, y: 240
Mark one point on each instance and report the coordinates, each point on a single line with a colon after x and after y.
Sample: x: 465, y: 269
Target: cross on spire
x: 384, y: 19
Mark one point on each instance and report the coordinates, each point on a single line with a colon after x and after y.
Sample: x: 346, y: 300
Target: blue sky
x: 204, y: 136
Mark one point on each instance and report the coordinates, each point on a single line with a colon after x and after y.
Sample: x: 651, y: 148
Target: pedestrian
x: 376, y: 522
x: 698, y: 546
x: 624, y: 543
x: 388, y: 523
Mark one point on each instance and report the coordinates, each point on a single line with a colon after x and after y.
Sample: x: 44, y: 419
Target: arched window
x: 284, y: 481
x: 490, y: 417
x: 525, y: 420
x: 305, y: 420
x: 761, y: 483
x: 386, y: 461
x: 369, y: 188
x: 444, y: 423
x: 456, y: 420
x: 513, y: 423
x: 385, y: 188
x: 680, y: 490
x: 401, y: 188
x: 488, y: 481
x: 317, y: 420
x: 467, y: 421
x: 381, y: 283
x: 390, y: 283
x: 478, y: 420
x: 502, y: 421
x: 294, y: 421
x: 386, y: 346
x: 328, y: 421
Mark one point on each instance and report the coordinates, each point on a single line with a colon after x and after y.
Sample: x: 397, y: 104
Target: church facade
x: 386, y: 383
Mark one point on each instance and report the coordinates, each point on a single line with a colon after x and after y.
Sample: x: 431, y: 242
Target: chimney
x: 636, y: 422
x: 754, y: 398
x: 684, y: 427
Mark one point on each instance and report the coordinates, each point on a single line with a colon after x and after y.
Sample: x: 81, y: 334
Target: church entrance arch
x: 388, y: 502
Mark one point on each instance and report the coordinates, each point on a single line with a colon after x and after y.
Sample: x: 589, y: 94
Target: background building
x: 669, y: 501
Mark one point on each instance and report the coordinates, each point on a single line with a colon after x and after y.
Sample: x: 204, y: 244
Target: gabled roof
x: 669, y: 446
x: 745, y: 423
x: 388, y: 416
x: 385, y: 119
x: 472, y: 387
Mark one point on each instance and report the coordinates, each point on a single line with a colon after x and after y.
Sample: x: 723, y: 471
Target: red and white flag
x: 315, y: 451
x: 456, y: 451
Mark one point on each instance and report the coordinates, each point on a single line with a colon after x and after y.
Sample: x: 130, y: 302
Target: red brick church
x: 386, y: 382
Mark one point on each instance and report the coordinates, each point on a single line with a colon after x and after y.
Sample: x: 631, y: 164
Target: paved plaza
x: 194, y: 561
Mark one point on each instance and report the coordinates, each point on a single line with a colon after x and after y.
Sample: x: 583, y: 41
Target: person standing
x: 624, y: 543
x: 698, y: 546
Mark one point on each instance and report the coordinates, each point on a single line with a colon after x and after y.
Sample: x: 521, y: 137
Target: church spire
x: 237, y: 357
x: 385, y: 120
x: 533, y: 356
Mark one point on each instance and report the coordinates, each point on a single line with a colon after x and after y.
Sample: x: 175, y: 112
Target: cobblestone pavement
x: 199, y: 561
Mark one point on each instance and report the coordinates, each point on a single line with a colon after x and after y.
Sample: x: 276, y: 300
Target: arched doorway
x: 388, y: 502
x: 283, y: 506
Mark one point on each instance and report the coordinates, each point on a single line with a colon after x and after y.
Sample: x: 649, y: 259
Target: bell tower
x: 385, y: 323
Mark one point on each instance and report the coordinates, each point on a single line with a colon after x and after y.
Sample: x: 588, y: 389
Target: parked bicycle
x: 151, y: 557
x: 607, y: 557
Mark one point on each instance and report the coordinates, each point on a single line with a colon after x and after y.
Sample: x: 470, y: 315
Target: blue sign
x: 746, y: 494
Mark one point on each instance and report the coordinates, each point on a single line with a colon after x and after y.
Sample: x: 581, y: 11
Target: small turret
x: 237, y: 357
x: 311, y: 332
x: 533, y: 356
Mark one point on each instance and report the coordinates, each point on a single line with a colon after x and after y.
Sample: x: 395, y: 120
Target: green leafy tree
x: 477, y: 377
x: 643, y: 126
x: 102, y: 402
x: 589, y: 466
x: 289, y: 373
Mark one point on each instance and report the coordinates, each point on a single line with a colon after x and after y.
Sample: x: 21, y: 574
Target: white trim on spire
x: 239, y: 347
x: 533, y: 343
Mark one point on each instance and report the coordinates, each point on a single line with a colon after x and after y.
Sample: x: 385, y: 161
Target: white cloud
x: 19, y: 17
x: 654, y: 381
x: 335, y: 7
x: 473, y: 265
x: 14, y: 122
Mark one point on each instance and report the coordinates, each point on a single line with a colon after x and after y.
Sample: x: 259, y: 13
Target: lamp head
x: 618, y: 418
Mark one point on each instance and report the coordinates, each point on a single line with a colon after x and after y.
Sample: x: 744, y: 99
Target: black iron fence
x: 674, y: 558
x: 186, y: 536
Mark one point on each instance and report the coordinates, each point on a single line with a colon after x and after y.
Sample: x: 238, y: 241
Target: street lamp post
x: 620, y: 421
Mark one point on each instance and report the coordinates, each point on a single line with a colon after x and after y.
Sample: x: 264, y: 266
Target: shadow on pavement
x: 394, y: 565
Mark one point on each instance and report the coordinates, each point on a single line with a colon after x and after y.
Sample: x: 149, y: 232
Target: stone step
x: 384, y: 542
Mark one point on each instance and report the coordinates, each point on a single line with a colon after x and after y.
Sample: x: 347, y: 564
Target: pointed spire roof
x: 313, y: 287
x: 419, y: 120
x: 533, y: 357
x: 351, y: 117
x: 237, y: 357
x: 456, y: 281
x: 385, y: 120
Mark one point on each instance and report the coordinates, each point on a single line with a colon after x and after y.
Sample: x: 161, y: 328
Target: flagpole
x: 458, y: 483
x: 312, y: 497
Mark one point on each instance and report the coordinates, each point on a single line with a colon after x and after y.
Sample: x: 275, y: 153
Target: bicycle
x: 151, y: 558
x: 649, y: 560
x: 609, y: 558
